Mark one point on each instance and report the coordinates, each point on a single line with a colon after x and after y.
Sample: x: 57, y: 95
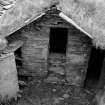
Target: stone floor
x: 43, y: 93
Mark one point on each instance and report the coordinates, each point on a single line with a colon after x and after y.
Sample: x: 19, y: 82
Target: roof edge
x: 68, y: 19
x: 61, y: 14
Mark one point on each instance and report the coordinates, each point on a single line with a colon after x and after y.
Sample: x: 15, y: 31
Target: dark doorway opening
x: 58, y: 40
x: 18, y: 58
x: 94, y: 68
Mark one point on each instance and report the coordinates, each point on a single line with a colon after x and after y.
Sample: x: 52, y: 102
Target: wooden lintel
x: 53, y: 25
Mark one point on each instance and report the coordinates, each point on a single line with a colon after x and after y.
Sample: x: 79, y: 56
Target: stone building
x: 51, y: 45
x: 57, y: 50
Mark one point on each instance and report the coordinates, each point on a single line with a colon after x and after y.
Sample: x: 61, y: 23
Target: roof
x: 86, y: 15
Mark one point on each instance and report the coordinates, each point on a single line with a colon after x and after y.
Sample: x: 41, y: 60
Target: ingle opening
x: 94, y: 68
x: 58, y: 40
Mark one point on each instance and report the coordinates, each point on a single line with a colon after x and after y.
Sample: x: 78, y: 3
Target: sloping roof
x: 68, y: 19
x: 87, y: 15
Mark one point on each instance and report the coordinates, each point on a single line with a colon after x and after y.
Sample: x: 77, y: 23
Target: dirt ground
x: 43, y: 93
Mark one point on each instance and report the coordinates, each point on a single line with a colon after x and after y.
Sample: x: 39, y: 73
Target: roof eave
x: 68, y: 19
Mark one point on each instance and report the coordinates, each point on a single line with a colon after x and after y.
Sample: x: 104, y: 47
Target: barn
x: 49, y: 46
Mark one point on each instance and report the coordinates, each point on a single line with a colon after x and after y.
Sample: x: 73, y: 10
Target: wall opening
x: 94, y: 68
x: 58, y: 40
x: 18, y: 58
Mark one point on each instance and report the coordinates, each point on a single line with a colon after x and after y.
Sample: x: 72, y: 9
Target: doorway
x: 18, y: 58
x: 94, y: 68
x: 58, y: 40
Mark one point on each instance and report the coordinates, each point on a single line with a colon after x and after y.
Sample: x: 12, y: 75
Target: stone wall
x: 35, y: 50
x: 77, y: 56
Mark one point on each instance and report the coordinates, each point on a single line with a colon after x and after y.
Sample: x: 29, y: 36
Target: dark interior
x: 18, y: 58
x: 58, y: 40
x: 94, y: 68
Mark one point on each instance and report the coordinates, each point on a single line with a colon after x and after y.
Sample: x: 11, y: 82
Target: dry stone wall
x: 77, y: 57
x: 35, y: 50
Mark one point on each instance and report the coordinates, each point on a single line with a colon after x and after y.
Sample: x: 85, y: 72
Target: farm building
x: 46, y: 41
